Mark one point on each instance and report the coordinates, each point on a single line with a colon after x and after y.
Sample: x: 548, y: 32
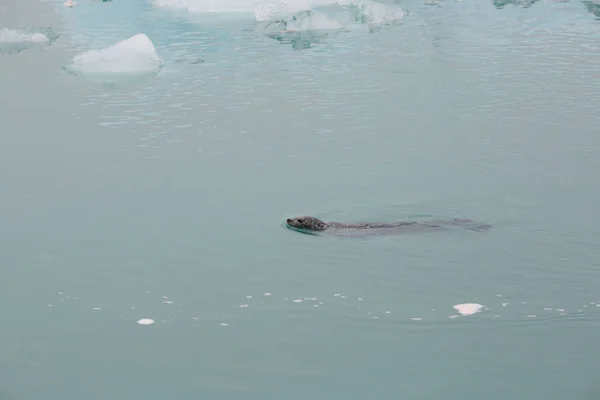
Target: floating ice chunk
x: 208, y: 6
x: 266, y: 10
x: 15, y: 36
x: 468, y: 308
x: 145, y: 321
x: 14, y: 41
x: 132, y: 58
x: 376, y: 14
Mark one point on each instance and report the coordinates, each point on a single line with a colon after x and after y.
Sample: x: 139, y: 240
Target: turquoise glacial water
x: 165, y: 199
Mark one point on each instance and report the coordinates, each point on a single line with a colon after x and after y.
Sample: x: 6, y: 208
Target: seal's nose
x: 289, y: 221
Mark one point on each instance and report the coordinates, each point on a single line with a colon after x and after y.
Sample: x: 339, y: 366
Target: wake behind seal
x: 309, y: 224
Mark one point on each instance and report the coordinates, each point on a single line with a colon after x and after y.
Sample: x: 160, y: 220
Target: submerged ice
x: 132, y: 58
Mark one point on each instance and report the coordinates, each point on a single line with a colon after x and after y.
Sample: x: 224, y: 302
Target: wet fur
x: 312, y: 224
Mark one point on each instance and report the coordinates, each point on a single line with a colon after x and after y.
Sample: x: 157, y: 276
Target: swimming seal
x: 312, y: 224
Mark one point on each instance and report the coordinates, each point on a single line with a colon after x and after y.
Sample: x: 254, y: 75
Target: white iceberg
x: 14, y: 41
x: 130, y: 59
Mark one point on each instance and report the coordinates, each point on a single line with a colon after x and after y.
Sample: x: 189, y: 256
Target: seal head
x: 307, y: 223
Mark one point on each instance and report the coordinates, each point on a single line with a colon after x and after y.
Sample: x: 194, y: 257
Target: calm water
x: 165, y: 199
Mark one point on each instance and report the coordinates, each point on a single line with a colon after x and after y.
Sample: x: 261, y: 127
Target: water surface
x: 165, y: 199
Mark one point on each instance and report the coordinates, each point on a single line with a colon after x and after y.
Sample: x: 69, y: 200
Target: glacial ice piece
x: 377, y: 14
x: 14, y: 41
x: 125, y: 61
x: 468, y: 308
x: 303, y: 29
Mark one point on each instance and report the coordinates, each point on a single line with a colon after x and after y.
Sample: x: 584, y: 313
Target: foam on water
x: 132, y: 58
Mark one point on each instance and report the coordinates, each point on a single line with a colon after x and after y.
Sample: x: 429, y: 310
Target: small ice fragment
x: 337, y: 294
x: 315, y: 305
x: 135, y: 56
x: 547, y: 309
x: 223, y: 324
x: 468, y: 308
x: 165, y: 297
x: 388, y: 312
x: 49, y: 305
x: 416, y: 319
x: 60, y: 292
x: 343, y: 297
x: 453, y: 316
x: 267, y: 294
x: 248, y: 297
x: 244, y: 306
x: 324, y: 303
x: 145, y: 321
x: 504, y: 304
x: 298, y: 301
x: 562, y: 313
x: 69, y: 3
x: 359, y: 299
x: 375, y: 317
x: 196, y: 318
x: 97, y: 309
x: 560, y: 310
x: 498, y: 295
x: 531, y: 316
